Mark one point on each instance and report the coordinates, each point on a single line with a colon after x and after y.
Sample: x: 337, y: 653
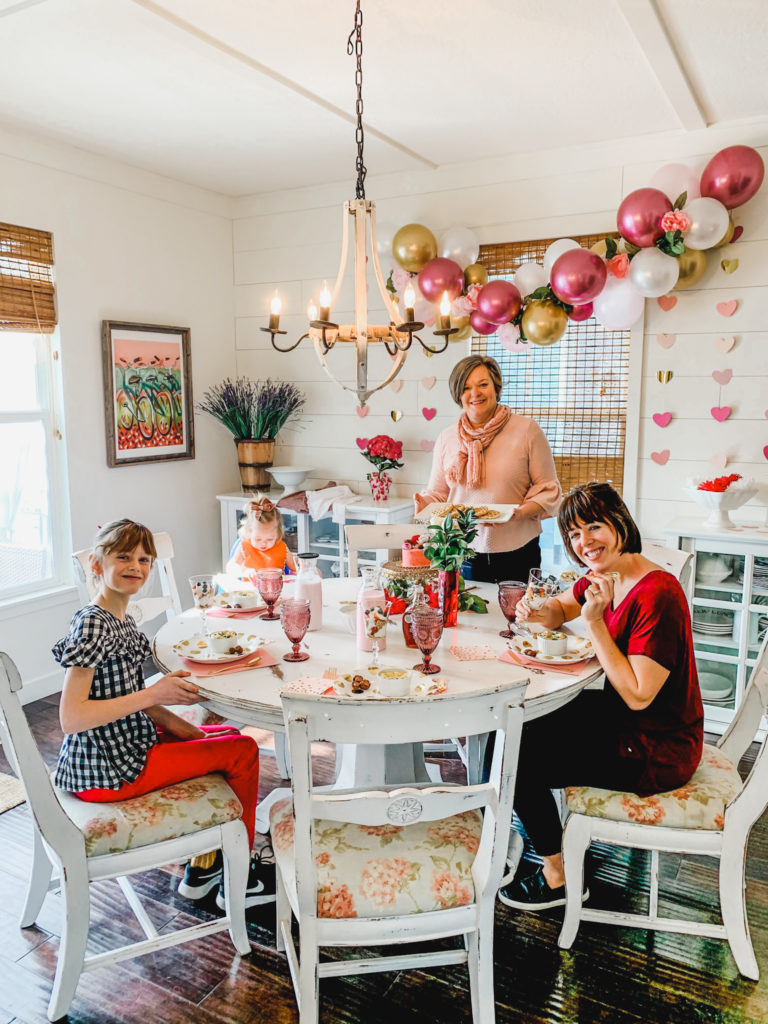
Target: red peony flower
x: 675, y: 220
x: 720, y: 483
x: 618, y: 265
x: 384, y: 452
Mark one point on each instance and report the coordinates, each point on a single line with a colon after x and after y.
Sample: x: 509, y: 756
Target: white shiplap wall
x: 290, y: 240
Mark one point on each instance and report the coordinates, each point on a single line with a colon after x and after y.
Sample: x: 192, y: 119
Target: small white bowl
x: 393, y: 682
x: 223, y: 640
x: 241, y: 599
x: 552, y: 642
x: 288, y: 476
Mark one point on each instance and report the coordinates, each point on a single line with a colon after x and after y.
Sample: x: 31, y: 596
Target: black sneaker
x: 198, y: 882
x: 262, y: 881
x: 531, y: 892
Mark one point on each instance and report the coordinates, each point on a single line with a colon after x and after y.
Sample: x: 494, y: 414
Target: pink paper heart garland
x: 661, y: 458
x: 722, y: 376
x: 721, y: 412
x: 361, y: 410
x: 429, y: 414
x: 719, y: 461
x: 738, y: 231
x: 429, y: 382
x: 666, y: 340
x: 765, y: 451
x: 662, y: 419
x: 427, y: 446
x: 396, y: 385
x: 725, y: 344
x: 361, y: 442
x: 727, y: 308
x: 667, y: 302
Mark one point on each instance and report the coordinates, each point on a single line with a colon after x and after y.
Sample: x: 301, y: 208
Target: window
x: 31, y: 490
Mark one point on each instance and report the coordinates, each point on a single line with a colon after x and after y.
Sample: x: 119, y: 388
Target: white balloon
x: 557, y: 249
x: 385, y: 233
x: 709, y: 222
x: 424, y: 311
x: 674, y: 179
x: 619, y: 304
x: 530, y: 276
x: 460, y: 245
x: 653, y: 273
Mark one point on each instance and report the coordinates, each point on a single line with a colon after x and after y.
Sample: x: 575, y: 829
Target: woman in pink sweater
x: 493, y: 456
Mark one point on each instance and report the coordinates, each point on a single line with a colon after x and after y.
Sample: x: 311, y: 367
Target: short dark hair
x: 458, y: 379
x: 598, y: 503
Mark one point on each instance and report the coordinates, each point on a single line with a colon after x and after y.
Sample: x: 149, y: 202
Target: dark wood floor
x: 610, y: 975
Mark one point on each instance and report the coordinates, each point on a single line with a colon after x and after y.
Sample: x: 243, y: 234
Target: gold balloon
x: 544, y: 323
x: 599, y: 248
x: 628, y: 247
x: 475, y: 274
x: 464, y: 326
x: 692, y: 264
x: 413, y: 246
x: 728, y: 234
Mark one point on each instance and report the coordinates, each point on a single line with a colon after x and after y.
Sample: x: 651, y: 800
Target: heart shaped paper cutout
x: 719, y: 461
x: 361, y: 410
x: 662, y: 419
x: 428, y: 382
x: 722, y: 376
x: 396, y: 414
x: 661, y: 458
x: 727, y: 308
x: 396, y: 385
x: 729, y: 265
x: 666, y: 340
x: 664, y: 376
x: 765, y: 451
x: 429, y: 414
x: 667, y: 302
x: 427, y: 446
x: 738, y: 231
x: 721, y: 412
x: 725, y: 344
x: 361, y: 443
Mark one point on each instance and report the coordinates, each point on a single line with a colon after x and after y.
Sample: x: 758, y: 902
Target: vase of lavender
x: 254, y: 411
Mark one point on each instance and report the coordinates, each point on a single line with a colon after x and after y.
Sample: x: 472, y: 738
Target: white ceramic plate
x: 421, y: 685
x: 196, y: 649
x: 579, y: 649
x: 715, y: 686
x: 505, y: 512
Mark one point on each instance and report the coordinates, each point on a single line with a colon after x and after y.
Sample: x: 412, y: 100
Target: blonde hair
x: 260, y: 510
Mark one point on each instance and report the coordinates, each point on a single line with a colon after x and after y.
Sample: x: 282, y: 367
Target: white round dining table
x: 252, y: 696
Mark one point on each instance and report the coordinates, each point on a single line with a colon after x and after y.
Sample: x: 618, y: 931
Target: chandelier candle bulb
x: 275, y: 308
x: 409, y: 298
x: 445, y: 313
x: 311, y: 312
x: 325, y: 303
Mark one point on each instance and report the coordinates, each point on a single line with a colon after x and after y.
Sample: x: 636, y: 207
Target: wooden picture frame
x: 147, y: 393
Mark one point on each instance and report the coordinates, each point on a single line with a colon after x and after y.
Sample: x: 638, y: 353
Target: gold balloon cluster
x: 414, y: 246
x: 544, y: 322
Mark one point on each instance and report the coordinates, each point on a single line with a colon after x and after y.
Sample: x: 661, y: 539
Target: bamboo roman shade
x: 27, y: 293
x: 576, y: 389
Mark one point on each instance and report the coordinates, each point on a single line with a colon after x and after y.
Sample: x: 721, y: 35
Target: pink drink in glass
x: 510, y: 593
x: 427, y: 627
x: 294, y: 618
x: 270, y: 584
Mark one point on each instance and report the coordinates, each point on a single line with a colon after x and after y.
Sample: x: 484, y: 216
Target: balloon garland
x: 664, y: 230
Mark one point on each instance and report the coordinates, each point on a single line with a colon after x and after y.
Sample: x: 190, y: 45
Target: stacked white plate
x: 759, y: 573
x: 716, y: 688
x: 762, y: 627
x: 712, y: 621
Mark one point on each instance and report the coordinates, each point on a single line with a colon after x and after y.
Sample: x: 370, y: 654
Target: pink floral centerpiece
x: 384, y: 452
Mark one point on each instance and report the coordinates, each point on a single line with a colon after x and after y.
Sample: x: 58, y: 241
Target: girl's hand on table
x: 175, y: 689
x: 597, y: 597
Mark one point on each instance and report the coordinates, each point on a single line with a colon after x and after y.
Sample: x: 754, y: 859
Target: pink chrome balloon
x: 578, y: 276
x: 733, y: 176
x: 441, y: 275
x: 479, y: 324
x: 498, y: 302
x: 639, y: 216
x: 579, y: 313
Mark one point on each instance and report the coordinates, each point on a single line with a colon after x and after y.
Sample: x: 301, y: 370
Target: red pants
x: 173, y: 760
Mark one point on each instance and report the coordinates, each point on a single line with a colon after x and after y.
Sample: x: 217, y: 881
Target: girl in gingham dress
x: 121, y: 740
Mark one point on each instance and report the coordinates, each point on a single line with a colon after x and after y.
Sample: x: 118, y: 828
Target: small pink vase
x: 380, y: 484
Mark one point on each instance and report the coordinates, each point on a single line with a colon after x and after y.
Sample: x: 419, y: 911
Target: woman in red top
x: 643, y: 732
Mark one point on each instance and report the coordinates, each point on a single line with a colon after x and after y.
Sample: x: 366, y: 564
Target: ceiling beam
x: 287, y: 83
x: 653, y: 39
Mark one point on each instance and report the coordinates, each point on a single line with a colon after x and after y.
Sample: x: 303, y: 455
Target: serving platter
x: 196, y: 649
x: 579, y: 649
x: 493, y: 513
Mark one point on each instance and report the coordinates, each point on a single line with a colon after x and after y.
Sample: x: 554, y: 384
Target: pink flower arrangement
x: 676, y: 220
x: 400, y: 279
x: 618, y: 265
x: 384, y: 452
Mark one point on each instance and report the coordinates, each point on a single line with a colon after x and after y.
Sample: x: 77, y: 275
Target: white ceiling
x: 246, y: 96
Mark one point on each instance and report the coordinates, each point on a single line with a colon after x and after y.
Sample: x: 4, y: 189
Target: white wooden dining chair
x: 672, y: 559
x: 710, y: 816
x: 417, y: 863
x: 89, y: 842
x: 377, y: 537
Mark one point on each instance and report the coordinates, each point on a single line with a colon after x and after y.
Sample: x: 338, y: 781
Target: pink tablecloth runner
x: 574, y: 669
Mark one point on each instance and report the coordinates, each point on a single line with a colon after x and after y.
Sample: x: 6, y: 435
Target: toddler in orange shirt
x: 261, y: 544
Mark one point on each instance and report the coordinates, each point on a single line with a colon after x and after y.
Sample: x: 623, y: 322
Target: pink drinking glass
x: 270, y: 583
x: 427, y: 628
x: 294, y: 618
x: 510, y: 592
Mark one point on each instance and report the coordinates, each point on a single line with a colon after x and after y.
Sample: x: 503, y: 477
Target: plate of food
x: 386, y: 683
x: 438, y: 510
x: 219, y: 647
x: 240, y: 600
x: 551, y: 647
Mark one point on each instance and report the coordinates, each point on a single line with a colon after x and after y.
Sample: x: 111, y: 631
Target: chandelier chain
x: 356, y: 47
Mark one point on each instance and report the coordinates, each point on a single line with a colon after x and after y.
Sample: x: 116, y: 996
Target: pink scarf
x: 469, y: 466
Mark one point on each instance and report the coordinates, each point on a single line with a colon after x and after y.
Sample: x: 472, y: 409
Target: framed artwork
x: 147, y: 393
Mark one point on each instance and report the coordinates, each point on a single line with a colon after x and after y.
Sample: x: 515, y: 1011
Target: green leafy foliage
x: 611, y: 248
x: 448, y: 545
x: 471, y: 602
x: 680, y: 202
x: 672, y: 243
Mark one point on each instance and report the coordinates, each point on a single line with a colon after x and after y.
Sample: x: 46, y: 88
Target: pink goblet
x: 427, y: 628
x: 510, y: 592
x: 294, y: 618
x: 270, y: 583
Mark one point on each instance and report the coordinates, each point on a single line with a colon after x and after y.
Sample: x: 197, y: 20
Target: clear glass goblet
x: 427, y: 627
x: 511, y: 592
x: 375, y: 620
x: 204, y: 596
x: 269, y: 583
x: 294, y: 618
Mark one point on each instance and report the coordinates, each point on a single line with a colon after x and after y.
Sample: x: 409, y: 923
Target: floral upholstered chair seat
x: 700, y: 803
x: 176, y: 810
x: 384, y: 870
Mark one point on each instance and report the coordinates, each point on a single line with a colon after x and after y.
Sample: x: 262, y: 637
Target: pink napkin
x: 241, y: 665
x: 237, y: 613
x: 574, y: 669
x: 308, y: 684
x: 479, y: 652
